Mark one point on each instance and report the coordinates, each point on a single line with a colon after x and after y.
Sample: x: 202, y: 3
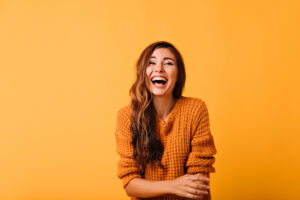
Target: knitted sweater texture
x: 188, y: 145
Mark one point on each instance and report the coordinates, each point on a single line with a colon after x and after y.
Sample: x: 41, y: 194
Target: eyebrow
x: 165, y: 58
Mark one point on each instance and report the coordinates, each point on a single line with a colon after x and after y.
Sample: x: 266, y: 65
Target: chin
x: 160, y: 94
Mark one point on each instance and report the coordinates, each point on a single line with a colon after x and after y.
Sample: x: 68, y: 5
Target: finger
x: 196, y: 198
x: 204, y: 179
x: 199, y: 178
x: 189, y: 195
x: 199, y: 185
x: 192, y: 196
x: 196, y: 191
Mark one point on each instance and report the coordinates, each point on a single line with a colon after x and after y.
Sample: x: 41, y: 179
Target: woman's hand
x: 192, y: 186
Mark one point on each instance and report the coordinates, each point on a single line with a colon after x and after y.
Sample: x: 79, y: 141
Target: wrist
x: 167, y: 187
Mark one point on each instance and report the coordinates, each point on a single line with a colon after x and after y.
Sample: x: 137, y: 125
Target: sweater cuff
x: 200, y: 169
x: 129, y: 177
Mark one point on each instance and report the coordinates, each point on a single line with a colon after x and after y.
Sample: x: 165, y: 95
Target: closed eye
x: 151, y: 63
x: 169, y: 63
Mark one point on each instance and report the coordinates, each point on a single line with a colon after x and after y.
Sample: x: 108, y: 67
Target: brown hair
x: 147, y: 146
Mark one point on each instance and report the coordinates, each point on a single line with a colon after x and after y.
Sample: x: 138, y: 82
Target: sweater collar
x: 172, y: 114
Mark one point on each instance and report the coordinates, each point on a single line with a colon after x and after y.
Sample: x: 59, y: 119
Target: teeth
x: 159, y: 79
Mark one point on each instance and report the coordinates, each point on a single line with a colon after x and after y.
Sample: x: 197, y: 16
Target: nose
x: 159, y: 68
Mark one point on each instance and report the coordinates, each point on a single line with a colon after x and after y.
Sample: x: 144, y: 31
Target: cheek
x: 174, y: 75
x: 148, y: 71
x: 147, y: 75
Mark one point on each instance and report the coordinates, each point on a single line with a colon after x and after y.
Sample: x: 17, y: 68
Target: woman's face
x: 161, y: 72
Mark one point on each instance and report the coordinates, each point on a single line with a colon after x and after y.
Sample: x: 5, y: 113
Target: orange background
x: 66, y: 68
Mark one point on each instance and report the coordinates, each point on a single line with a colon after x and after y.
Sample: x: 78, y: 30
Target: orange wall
x: 66, y: 68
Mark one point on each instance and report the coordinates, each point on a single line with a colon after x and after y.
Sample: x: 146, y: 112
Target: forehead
x: 163, y: 52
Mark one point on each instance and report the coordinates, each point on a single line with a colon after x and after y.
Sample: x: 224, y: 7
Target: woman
x: 163, y: 138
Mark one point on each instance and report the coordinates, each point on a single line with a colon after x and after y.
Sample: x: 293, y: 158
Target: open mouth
x: 159, y: 81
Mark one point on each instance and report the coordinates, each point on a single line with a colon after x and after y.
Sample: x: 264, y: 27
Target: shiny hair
x: 147, y: 147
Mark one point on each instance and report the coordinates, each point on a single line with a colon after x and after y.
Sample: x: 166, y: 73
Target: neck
x: 163, y: 105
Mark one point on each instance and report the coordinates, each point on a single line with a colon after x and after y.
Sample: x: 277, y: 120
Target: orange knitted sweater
x: 188, y: 144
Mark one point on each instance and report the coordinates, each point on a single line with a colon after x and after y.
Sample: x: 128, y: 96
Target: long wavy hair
x: 147, y: 147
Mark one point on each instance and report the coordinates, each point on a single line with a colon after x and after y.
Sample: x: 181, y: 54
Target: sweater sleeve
x: 126, y: 167
x: 201, y: 156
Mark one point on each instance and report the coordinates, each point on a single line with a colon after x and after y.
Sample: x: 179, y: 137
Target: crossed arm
x: 189, y: 186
